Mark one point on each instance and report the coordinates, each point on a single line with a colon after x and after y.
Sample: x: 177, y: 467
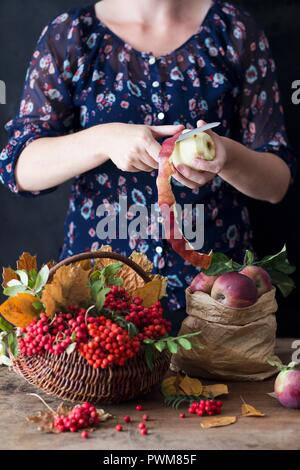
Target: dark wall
x: 37, y: 225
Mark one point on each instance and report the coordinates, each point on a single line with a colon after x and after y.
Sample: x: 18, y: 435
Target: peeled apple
x: 185, y: 151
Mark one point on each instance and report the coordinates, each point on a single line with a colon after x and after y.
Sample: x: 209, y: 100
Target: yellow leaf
x: 8, y: 274
x: 191, y: 386
x: 27, y: 262
x: 70, y: 286
x: 149, y: 293
x: 249, y: 410
x: 142, y: 260
x: 164, y: 284
x: 215, y: 390
x: 217, y: 421
x: 18, y: 310
x: 103, y: 262
x: 169, y: 387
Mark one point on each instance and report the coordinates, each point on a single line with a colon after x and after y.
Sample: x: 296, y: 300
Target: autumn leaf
x: 164, y: 284
x: 103, y: 262
x: 149, y: 293
x: 249, y: 410
x: 217, y: 421
x: 215, y: 390
x: 70, y: 286
x: 8, y: 274
x: 19, y: 310
x: 85, y: 264
x: 169, y: 387
x: 191, y: 386
x: 142, y: 260
x: 27, y: 262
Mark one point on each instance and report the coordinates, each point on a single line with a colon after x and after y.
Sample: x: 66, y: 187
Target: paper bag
x: 236, y: 342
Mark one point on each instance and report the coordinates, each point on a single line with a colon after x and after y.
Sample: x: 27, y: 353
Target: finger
x: 201, y: 123
x: 141, y: 166
x: 189, y: 184
x: 213, y: 166
x: 153, y: 150
x: 198, y: 177
x: 164, y: 131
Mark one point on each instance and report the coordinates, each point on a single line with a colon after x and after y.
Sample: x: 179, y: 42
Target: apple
x: 234, y: 290
x: 186, y: 151
x: 287, y: 388
x: 202, y: 283
x: 260, y: 277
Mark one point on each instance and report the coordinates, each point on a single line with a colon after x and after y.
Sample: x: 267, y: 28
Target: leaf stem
x: 43, y: 401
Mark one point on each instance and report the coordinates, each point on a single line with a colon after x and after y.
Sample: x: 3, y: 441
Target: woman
x: 107, y: 82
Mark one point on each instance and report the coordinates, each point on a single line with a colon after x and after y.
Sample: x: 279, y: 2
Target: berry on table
x: 144, y: 431
x: 209, y: 407
x: 145, y: 418
x: 142, y: 426
x: 127, y: 419
x: 85, y: 435
x: 182, y: 415
x: 80, y: 417
x: 139, y: 408
x: 119, y: 428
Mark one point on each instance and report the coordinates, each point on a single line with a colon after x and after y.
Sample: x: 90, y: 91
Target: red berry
x: 119, y: 428
x: 85, y: 435
x: 142, y: 426
x: 145, y: 418
x: 182, y: 415
x: 144, y: 431
x: 139, y: 408
x: 127, y: 419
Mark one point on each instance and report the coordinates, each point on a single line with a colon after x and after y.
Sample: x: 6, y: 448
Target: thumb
x: 164, y: 131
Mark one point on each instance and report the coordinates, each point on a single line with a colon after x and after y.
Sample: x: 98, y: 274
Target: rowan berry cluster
x: 80, y: 417
x: 209, y: 407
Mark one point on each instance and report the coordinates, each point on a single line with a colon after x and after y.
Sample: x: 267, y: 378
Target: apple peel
x: 167, y: 205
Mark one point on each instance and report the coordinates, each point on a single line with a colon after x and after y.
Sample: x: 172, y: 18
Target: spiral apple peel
x: 167, y: 201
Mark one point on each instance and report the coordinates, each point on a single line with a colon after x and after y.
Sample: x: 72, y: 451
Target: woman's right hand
x: 135, y: 148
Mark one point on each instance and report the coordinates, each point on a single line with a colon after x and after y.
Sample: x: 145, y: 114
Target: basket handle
x: 101, y: 255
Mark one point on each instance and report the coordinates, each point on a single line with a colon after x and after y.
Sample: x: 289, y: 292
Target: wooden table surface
x: 280, y: 429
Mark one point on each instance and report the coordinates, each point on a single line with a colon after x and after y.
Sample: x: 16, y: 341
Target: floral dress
x: 82, y: 74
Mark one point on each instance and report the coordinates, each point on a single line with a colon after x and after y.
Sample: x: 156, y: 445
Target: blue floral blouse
x: 82, y: 74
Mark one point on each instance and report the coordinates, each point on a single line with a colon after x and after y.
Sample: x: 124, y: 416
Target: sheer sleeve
x: 46, y: 108
x: 259, y: 113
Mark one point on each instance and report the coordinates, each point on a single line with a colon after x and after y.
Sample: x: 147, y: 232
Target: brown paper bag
x: 237, y: 342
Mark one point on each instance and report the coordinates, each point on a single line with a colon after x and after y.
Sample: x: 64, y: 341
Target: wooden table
x: 280, y: 429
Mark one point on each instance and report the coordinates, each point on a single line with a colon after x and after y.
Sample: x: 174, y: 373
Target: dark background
x: 36, y: 225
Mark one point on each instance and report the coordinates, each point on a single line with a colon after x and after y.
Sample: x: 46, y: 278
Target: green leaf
x: 132, y: 330
x: 12, y: 343
x: 284, y: 283
x: 38, y: 306
x: 249, y: 258
x: 41, y: 279
x: 6, y: 361
x: 117, y: 281
x: 221, y: 264
x: 13, y: 291
x: 5, y: 326
x: 32, y: 278
x: 185, y: 344
x: 71, y: 348
x: 73, y: 336
x: 112, y: 270
x: 100, y: 297
x: 96, y: 287
x: 23, y: 277
x: 14, y: 283
x: 172, y: 346
x: 149, y: 357
x: 160, y: 345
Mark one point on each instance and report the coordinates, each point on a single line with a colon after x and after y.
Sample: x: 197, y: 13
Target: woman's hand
x: 204, y: 171
x: 135, y: 148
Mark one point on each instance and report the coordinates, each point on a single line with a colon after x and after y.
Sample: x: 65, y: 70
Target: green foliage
x: 31, y: 282
x: 101, y: 282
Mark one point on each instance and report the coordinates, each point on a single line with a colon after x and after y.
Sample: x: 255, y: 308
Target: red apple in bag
x: 203, y: 283
x: 260, y: 277
x: 234, y: 290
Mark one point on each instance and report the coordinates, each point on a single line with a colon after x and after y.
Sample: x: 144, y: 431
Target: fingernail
x: 180, y: 168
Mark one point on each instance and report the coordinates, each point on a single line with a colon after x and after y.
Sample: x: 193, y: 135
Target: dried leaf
x: 103, y: 416
x: 217, y: 421
x: 44, y: 421
x: 164, y: 285
x: 150, y: 292
x: 215, y: 390
x: 249, y: 410
x: 27, y: 262
x: 51, y: 264
x: 142, y: 260
x: 132, y: 280
x: 191, y: 386
x: 103, y: 262
x: 19, y: 310
x: 169, y: 387
x: 70, y: 286
x: 8, y: 274
x: 85, y: 264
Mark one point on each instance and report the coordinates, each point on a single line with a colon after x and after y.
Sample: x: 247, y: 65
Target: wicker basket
x: 71, y: 378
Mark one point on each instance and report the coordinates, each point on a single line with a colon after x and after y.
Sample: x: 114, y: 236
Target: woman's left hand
x: 204, y: 171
